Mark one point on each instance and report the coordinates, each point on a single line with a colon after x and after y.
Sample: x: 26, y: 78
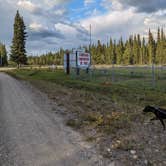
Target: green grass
x: 131, y: 85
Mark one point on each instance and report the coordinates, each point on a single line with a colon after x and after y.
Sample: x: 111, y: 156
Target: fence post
x: 113, y: 72
x: 153, y: 76
x: 67, y: 63
x: 77, y: 68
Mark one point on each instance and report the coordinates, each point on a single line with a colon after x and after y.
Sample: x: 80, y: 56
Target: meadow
x: 120, y: 82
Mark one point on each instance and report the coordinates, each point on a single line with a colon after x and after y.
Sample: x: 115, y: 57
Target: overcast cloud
x: 52, y: 24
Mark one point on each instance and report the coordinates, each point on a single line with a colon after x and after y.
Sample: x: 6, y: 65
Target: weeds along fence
x: 146, y: 77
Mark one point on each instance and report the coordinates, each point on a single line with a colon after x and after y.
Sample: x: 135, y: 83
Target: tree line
x: 48, y: 58
x: 134, y: 51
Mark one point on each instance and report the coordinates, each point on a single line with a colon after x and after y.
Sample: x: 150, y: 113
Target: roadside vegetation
x: 109, y: 113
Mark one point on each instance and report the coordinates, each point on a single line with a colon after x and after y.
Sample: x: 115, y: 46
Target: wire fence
x: 147, y: 77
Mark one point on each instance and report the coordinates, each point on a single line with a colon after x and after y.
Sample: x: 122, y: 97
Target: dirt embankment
x: 119, y: 130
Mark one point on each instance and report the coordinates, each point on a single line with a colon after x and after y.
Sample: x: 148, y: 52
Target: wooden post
x: 67, y: 63
x: 77, y: 68
x: 153, y: 76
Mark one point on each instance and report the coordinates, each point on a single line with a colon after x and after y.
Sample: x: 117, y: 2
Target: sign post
x: 68, y: 63
x: 79, y: 59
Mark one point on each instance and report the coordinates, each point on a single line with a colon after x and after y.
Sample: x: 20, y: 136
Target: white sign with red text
x: 83, y: 60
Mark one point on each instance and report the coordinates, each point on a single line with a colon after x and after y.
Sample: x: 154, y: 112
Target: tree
x: 144, y: 57
x: 120, y: 52
x: 159, y: 48
x: 151, y: 48
x: 3, y: 55
x: 127, y: 53
x: 18, y: 51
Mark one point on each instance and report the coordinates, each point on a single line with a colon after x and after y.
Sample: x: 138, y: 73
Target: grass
x: 135, y: 88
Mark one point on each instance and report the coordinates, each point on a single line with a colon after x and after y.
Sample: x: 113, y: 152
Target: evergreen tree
x: 151, y: 48
x: 18, y: 51
x: 144, y: 58
x: 131, y: 50
x: 162, y: 48
x: 120, y: 52
x: 127, y: 53
x: 114, y: 58
x: 99, y: 52
x: 3, y: 55
x: 159, y: 48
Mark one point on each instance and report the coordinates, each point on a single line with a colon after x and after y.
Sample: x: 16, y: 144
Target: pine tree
x: 18, y: 51
x: 162, y: 48
x: 144, y: 58
x: 158, y: 49
x: 151, y: 48
x: 136, y: 50
x: 120, y: 52
x: 3, y: 54
x: 127, y: 53
x: 131, y: 42
x: 114, y: 58
x: 99, y: 52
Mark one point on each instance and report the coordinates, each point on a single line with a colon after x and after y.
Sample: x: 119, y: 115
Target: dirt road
x: 32, y: 134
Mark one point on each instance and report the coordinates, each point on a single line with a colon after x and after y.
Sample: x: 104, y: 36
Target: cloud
x: 45, y: 33
x: 108, y: 23
x: 28, y: 5
x: 88, y: 2
x: 83, y: 37
x: 76, y: 35
x: 111, y: 24
x: 52, y: 3
x: 35, y: 27
x: 39, y: 32
x: 147, y: 6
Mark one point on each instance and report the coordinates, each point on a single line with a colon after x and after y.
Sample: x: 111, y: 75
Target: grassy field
x: 107, y: 109
x: 130, y: 84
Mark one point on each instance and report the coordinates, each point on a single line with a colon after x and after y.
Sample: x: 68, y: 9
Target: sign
x: 83, y: 60
x: 78, y: 59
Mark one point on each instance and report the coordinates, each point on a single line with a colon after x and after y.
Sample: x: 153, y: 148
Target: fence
x: 135, y: 76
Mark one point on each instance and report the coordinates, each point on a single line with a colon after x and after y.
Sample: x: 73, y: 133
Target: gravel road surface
x: 32, y: 134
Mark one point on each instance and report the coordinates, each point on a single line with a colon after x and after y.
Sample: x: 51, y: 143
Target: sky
x: 55, y: 24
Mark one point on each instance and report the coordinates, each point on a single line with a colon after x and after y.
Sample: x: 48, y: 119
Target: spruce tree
x: 163, y: 47
x: 151, y: 49
x: 120, y: 52
x: 159, y: 48
x: 3, y: 55
x: 114, y: 58
x: 144, y: 58
x: 18, y: 51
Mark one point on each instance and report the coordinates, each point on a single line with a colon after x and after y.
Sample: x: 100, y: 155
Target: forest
x: 134, y: 51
